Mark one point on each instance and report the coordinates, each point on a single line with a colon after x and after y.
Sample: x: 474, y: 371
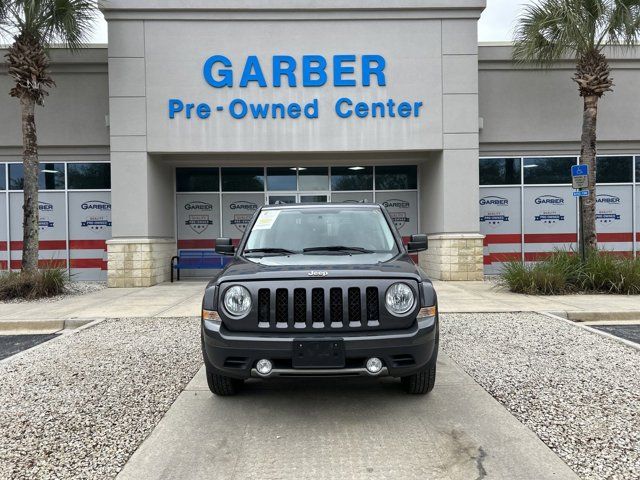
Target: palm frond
x: 549, y: 30
x: 623, y: 24
x: 4, y: 6
x: 67, y: 22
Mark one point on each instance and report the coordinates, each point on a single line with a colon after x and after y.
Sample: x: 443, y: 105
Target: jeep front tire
x: 421, y: 382
x: 223, y: 386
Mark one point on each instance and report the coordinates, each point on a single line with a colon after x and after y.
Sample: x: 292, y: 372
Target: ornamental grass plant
x: 31, y: 286
x: 564, y: 272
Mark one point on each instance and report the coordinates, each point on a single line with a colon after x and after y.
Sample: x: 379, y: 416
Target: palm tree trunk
x: 588, y: 157
x: 31, y: 171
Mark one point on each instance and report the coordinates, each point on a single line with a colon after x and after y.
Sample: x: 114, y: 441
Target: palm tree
x: 32, y: 26
x: 549, y: 30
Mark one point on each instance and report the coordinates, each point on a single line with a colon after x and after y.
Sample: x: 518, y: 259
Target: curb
x: 594, y: 316
x: 42, y: 326
x: 88, y: 323
x: 624, y: 341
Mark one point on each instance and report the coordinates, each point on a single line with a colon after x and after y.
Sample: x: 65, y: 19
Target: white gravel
x: 78, y: 406
x: 72, y: 289
x: 579, y: 392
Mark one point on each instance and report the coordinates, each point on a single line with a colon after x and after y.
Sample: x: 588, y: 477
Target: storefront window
x: 397, y: 177
x: 352, y: 197
x: 3, y: 176
x: 313, y: 178
x: 197, y: 180
x: 614, y: 170
x: 51, y: 176
x: 281, y: 178
x: 89, y: 176
x: 249, y: 179
x: 351, y: 178
x: 499, y: 171
x: 548, y: 170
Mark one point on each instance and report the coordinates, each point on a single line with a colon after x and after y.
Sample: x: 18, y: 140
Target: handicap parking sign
x: 579, y: 170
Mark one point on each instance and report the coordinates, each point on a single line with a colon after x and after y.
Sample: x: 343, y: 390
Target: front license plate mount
x: 318, y: 353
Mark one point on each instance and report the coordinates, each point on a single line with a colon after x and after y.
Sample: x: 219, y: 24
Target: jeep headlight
x: 400, y: 298
x: 237, y: 301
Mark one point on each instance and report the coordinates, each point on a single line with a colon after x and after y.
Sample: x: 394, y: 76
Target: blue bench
x: 197, y: 260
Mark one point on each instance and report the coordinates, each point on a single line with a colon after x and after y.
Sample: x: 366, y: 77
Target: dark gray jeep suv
x: 320, y: 290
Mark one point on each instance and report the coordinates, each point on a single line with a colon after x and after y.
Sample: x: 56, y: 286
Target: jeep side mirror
x: 224, y: 246
x: 417, y: 243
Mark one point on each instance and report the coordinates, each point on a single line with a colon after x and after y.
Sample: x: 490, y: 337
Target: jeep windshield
x: 312, y: 235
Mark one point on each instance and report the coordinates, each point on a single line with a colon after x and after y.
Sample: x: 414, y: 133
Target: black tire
x: 219, y: 384
x: 421, y: 382
x: 223, y: 386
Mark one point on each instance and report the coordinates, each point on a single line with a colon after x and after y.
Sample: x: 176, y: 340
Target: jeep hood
x: 281, y: 267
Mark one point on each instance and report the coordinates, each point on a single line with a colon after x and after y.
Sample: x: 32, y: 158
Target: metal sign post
x: 580, y: 182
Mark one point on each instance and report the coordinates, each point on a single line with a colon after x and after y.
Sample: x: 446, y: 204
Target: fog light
x: 374, y: 365
x: 264, y: 366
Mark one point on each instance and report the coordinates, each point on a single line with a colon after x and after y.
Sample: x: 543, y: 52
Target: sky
x: 496, y: 23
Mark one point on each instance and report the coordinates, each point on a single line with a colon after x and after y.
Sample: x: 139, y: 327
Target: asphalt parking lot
x: 628, y: 332
x: 12, y: 344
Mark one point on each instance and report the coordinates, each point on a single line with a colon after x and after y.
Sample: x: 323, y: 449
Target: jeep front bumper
x: 403, y: 352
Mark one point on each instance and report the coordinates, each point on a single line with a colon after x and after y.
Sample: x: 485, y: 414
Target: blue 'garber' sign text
x: 309, y: 71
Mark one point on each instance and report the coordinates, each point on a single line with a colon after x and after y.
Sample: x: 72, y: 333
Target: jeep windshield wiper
x: 282, y: 251
x: 336, y: 248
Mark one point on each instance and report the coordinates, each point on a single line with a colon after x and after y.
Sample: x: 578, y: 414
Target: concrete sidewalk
x: 180, y: 299
x: 470, y: 297
x: 343, y: 428
x: 184, y: 298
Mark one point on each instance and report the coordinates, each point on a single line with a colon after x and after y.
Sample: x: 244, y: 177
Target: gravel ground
x: 73, y: 289
x: 578, y: 391
x: 78, y: 406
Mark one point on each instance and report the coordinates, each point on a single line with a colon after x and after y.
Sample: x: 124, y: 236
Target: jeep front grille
x: 299, y: 306
x: 318, y: 308
x: 373, y: 311
x: 282, y: 306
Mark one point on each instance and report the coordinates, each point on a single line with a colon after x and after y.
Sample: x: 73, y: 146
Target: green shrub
x: 45, y: 283
x: 601, y: 273
x: 542, y: 278
x: 564, y: 272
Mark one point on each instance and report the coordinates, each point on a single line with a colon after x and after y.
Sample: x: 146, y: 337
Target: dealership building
x: 199, y: 111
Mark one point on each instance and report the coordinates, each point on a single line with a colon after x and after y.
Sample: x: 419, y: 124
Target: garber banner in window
x: 550, y: 220
x: 614, y: 213
x: 52, y: 228
x: 500, y: 222
x: 198, y: 217
x: 89, y: 229
x: 237, y: 211
x: 403, y: 209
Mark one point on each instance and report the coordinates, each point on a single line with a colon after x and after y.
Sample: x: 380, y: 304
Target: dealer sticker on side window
x: 266, y: 219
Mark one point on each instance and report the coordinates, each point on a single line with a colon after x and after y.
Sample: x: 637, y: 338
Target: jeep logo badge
x: 316, y: 273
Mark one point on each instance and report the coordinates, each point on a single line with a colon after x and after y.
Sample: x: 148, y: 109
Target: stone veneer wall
x: 139, y: 262
x: 454, y: 257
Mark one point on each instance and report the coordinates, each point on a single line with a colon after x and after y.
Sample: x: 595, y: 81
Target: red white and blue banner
x: 52, y: 229
x: 550, y: 222
x: 89, y: 230
x: 198, y: 218
x: 500, y: 222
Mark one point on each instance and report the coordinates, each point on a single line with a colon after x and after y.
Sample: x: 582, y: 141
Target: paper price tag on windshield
x: 266, y: 219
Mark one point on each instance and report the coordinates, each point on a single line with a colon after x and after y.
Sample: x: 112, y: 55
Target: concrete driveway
x: 343, y: 428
